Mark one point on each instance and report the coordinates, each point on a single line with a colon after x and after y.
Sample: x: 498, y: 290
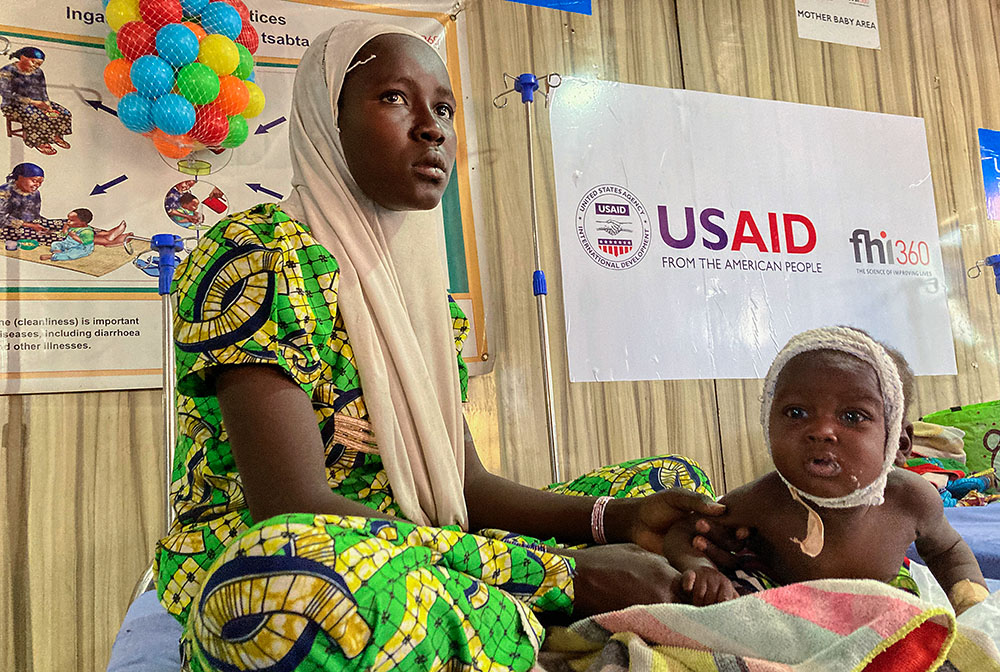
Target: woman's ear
x: 905, y: 444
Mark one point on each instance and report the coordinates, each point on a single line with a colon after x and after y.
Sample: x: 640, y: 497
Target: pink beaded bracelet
x: 597, y: 519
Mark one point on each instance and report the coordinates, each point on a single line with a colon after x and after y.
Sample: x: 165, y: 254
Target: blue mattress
x: 980, y: 527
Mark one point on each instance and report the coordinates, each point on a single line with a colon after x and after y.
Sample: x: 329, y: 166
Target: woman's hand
x: 645, y: 521
x: 617, y: 576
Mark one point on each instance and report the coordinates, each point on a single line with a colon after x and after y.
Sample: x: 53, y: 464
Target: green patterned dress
x: 325, y: 592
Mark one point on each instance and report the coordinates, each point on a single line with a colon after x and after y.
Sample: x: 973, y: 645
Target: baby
x: 833, y: 416
x: 81, y: 236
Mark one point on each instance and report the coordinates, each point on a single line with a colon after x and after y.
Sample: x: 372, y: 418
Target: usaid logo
x: 613, y: 227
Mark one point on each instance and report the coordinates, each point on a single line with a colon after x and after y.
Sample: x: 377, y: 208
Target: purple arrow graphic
x: 103, y: 188
x: 264, y: 128
x: 98, y: 105
x: 261, y: 190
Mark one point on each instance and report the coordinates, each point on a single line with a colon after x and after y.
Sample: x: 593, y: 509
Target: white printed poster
x: 78, y: 302
x: 698, y: 232
x: 850, y: 22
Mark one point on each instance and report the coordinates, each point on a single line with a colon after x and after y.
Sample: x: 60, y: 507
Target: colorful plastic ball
x: 172, y: 146
x: 195, y: 28
x: 173, y: 115
x: 111, y: 46
x: 120, y: 12
x: 105, y: 3
x: 245, y: 66
x: 152, y: 76
x: 118, y: 78
x: 193, y: 7
x: 159, y: 13
x: 252, y: 77
x: 176, y: 44
x: 255, y: 104
x: 240, y: 8
x: 136, y: 39
x: 198, y: 83
x: 136, y: 113
x: 248, y: 37
x: 219, y: 53
x: 222, y: 19
x: 210, y: 125
x: 238, y: 131
x: 233, y: 95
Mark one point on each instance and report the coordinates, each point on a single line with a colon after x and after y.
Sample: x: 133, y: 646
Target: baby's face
x: 827, y: 423
x: 74, y: 219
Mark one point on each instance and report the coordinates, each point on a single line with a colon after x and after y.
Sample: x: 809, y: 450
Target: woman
x: 284, y: 314
x: 21, y: 205
x: 24, y: 98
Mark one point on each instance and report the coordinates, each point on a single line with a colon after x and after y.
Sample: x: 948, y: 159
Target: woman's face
x: 28, y: 65
x: 29, y: 185
x: 397, y: 123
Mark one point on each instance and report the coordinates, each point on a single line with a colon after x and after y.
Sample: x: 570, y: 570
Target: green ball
x: 238, y: 130
x: 245, y: 67
x: 198, y: 83
x: 111, y: 46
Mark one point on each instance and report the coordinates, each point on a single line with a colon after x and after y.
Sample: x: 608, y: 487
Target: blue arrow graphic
x: 97, y: 105
x: 264, y: 128
x: 103, y: 188
x: 259, y: 189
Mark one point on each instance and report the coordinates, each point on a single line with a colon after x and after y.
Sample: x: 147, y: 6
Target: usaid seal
x: 613, y: 227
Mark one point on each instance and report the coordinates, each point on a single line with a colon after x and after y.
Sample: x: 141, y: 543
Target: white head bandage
x: 860, y: 345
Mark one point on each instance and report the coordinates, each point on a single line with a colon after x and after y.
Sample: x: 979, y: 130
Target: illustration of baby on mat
x: 80, y: 237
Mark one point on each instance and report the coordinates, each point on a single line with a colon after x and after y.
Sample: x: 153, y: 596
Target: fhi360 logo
x: 883, y: 250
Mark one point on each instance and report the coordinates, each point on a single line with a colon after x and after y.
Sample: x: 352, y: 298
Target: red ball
x: 240, y: 8
x: 210, y: 126
x: 248, y: 37
x: 136, y: 39
x: 159, y: 13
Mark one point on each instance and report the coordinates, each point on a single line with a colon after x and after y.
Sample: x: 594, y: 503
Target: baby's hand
x: 707, y: 585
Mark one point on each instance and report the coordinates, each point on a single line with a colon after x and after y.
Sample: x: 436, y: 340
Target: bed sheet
x: 980, y: 527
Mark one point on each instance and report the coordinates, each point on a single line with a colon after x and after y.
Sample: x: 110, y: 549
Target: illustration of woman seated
x: 21, y: 205
x: 24, y: 98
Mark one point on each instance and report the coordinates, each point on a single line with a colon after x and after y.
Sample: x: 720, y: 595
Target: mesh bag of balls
x: 184, y: 71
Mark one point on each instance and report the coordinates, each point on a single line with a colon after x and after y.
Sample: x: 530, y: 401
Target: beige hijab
x: 392, y: 292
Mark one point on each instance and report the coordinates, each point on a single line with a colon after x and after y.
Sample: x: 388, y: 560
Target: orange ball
x: 172, y: 146
x: 196, y: 28
x: 233, y: 95
x: 118, y: 78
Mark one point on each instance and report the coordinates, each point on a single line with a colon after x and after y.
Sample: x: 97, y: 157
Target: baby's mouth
x: 823, y: 466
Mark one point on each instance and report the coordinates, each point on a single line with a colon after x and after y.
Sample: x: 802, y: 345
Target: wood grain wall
x: 80, y: 489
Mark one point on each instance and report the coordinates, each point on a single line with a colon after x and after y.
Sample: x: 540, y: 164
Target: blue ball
x: 105, y: 3
x: 176, y: 44
x: 223, y: 19
x: 136, y: 113
x: 252, y: 77
x: 173, y: 114
x: 193, y: 7
x: 152, y: 76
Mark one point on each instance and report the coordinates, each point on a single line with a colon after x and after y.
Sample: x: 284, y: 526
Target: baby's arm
x: 700, y: 578
x: 947, y: 555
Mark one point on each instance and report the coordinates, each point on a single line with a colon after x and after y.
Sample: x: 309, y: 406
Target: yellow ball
x: 219, y: 53
x: 120, y: 12
x: 256, y: 103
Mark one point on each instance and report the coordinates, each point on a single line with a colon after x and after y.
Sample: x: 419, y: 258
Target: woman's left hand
x: 645, y: 521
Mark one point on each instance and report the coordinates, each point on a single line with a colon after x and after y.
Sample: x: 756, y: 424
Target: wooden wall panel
x: 82, y: 495
x: 82, y: 479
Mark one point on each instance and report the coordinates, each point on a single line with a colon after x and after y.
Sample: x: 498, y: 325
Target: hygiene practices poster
x: 83, y: 194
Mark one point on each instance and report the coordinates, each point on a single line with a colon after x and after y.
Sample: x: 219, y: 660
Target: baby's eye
x: 854, y: 417
x: 445, y: 111
x: 795, y: 412
x: 393, y: 97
